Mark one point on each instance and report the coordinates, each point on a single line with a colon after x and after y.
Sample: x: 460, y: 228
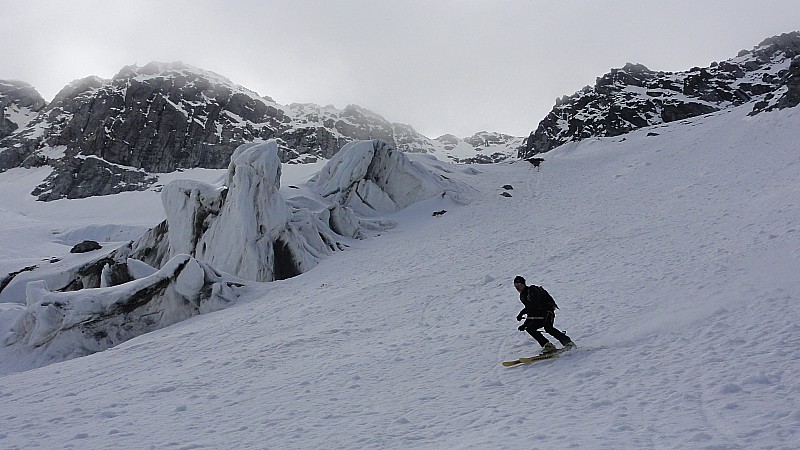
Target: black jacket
x: 537, y: 301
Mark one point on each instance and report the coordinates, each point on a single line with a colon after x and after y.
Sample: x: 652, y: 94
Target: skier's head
x: 519, y: 283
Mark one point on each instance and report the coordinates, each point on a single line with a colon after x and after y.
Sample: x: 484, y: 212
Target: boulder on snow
x: 535, y: 161
x: 86, y: 246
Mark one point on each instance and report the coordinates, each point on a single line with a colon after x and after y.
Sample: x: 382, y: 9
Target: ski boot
x: 548, y: 348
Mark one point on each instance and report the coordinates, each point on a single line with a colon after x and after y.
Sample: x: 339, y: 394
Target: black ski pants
x: 533, y: 324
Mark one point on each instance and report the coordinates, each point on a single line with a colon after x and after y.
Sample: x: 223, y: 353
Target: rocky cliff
x: 19, y: 104
x: 634, y: 96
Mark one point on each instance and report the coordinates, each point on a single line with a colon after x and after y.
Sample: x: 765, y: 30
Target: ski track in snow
x: 674, y: 259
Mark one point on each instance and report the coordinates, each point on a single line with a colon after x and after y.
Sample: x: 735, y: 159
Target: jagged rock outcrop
x: 19, y: 104
x: 786, y: 97
x: 80, y: 177
x: 634, y: 96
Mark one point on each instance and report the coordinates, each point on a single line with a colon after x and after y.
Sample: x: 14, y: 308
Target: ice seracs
x: 62, y: 325
x: 214, y: 239
x: 372, y: 176
x: 245, y: 227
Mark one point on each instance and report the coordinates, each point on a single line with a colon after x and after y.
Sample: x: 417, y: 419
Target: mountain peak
x: 634, y: 96
x: 786, y: 43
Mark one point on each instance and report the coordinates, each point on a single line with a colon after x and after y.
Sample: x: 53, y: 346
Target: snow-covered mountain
x: 626, y: 99
x: 674, y: 259
x: 481, y: 148
x: 108, y: 136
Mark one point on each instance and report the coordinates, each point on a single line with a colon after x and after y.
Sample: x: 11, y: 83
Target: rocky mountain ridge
x: 632, y: 97
x: 19, y: 104
x: 484, y: 147
x: 108, y: 136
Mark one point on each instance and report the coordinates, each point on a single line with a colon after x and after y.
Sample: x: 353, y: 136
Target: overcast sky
x: 443, y: 66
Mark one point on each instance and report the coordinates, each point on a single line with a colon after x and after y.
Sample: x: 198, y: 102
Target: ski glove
x: 519, y: 317
x: 521, y: 327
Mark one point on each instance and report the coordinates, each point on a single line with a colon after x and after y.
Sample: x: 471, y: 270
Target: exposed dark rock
x: 483, y: 159
x: 20, y: 102
x: 86, y: 177
x: 786, y: 99
x: 535, y: 161
x: 89, y: 275
x: 672, y: 112
x: 634, y: 96
x: 7, y: 279
x: 86, y: 246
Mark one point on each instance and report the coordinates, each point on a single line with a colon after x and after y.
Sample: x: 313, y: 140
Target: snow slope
x: 674, y: 258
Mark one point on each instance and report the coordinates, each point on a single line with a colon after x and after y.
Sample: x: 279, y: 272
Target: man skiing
x: 539, y: 312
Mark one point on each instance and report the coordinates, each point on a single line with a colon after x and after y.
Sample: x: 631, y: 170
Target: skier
x: 539, y: 312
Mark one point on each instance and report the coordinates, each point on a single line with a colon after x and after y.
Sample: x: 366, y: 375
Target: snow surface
x: 674, y: 258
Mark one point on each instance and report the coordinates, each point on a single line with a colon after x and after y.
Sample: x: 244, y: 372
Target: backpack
x: 545, y: 297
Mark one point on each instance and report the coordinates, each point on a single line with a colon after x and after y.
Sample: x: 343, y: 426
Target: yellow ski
x: 531, y: 359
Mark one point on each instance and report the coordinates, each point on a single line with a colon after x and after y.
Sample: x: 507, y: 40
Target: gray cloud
x: 447, y: 66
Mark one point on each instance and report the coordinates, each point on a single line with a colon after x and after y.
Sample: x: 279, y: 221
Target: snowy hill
x: 673, y: 253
